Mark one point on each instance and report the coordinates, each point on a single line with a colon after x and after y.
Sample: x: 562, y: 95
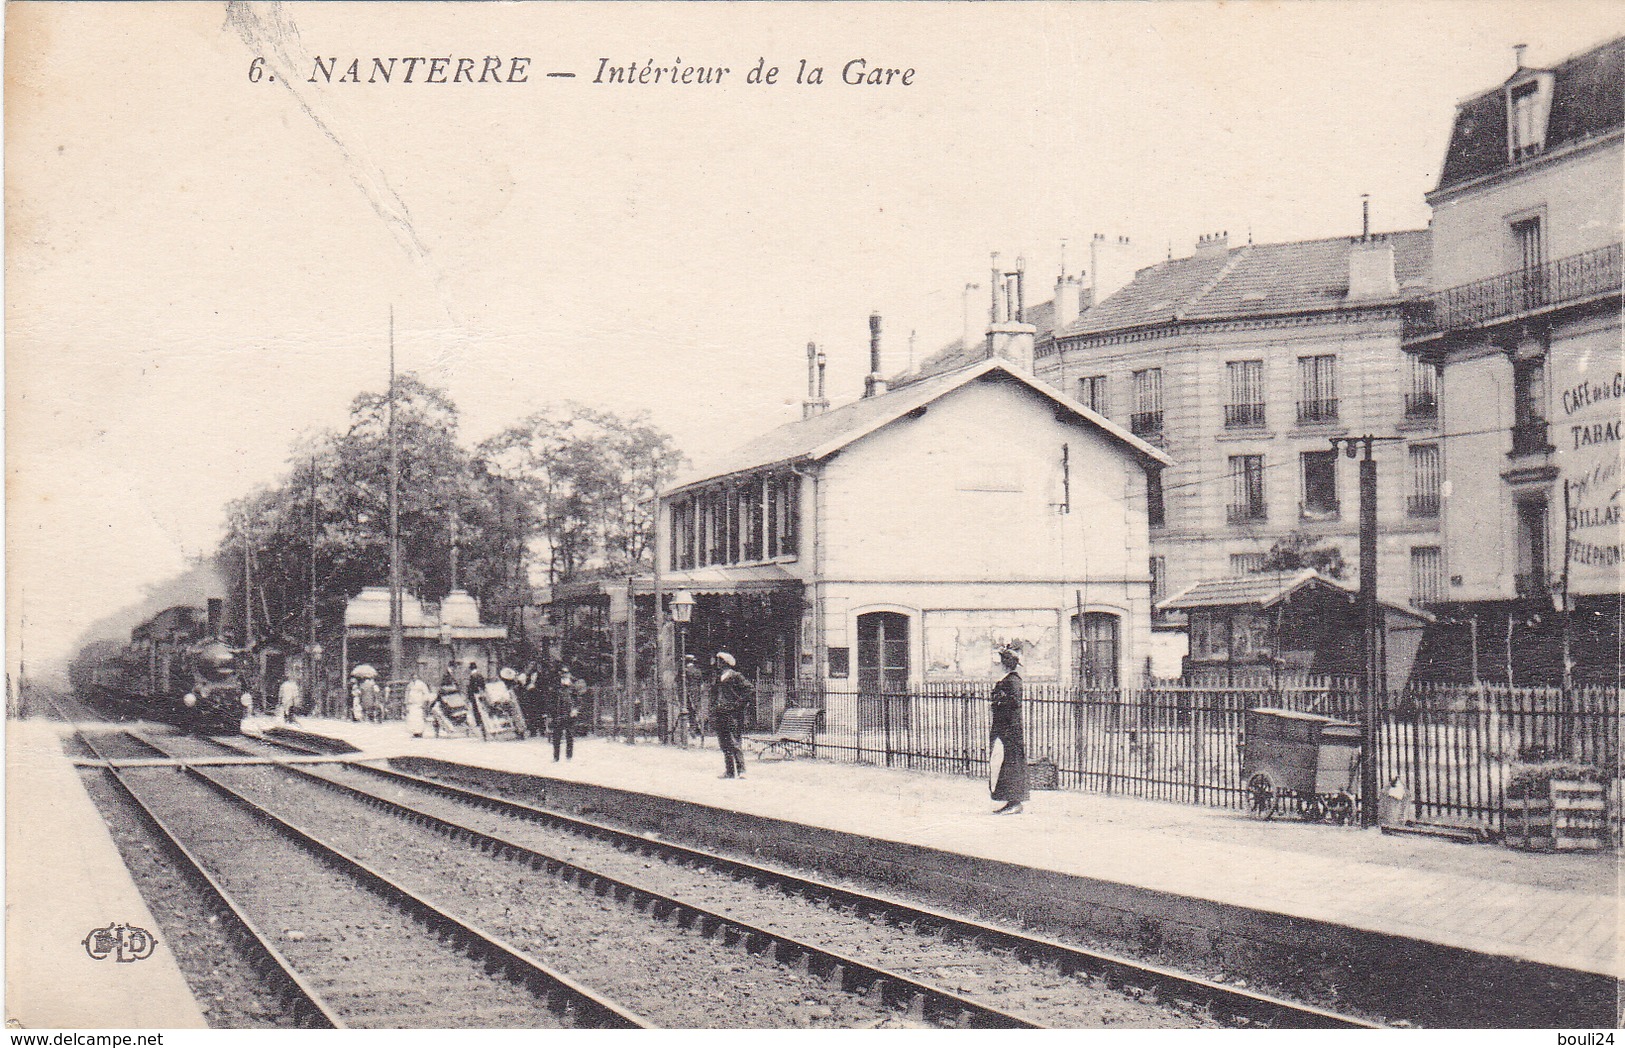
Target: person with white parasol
x: 366, y: 701
x: 1007, y: 748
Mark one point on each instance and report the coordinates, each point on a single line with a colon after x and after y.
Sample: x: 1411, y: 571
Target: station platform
x: 1557, y: 910
x: 64, y: 878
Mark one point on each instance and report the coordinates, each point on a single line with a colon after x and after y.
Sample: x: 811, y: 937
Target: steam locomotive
x: 175, y: 669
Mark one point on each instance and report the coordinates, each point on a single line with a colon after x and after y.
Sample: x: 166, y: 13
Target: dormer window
x: 1528, y: 103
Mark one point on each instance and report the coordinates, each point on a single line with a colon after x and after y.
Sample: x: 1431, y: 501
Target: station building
x: 435, y: 637
x: 901, y: 538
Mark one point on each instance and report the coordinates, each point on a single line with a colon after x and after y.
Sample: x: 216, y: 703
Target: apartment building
x: 1240, y: 362
x: 1524, y: 322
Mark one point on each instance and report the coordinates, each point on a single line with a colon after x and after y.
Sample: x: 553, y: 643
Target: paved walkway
x: 1560, y: 909
x: 64, y: 877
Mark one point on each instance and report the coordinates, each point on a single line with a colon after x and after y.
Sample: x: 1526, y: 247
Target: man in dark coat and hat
x: 1007, y: 746
x: 731, y: 698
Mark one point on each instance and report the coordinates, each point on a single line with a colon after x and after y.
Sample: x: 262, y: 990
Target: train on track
x: 176, y: 669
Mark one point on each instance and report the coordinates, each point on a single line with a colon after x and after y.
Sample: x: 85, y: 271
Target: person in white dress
x: 287, y: 700
x: 419, y: 697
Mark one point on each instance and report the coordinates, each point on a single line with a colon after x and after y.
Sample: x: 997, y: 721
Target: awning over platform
x: 716, y: 579
x: 755, y: 578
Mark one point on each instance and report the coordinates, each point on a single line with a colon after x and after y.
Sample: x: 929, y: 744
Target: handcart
x: 501, y: 716
x: 1287, y: 754
x: 451, y: 715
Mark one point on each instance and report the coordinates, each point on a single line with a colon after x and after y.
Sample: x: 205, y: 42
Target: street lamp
x: 682, y: 609
x: 313, y: 660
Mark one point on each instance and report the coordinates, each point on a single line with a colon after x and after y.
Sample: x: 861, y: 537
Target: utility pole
x: 248, y: 588
x: 311, y: 654
x: 1372, y: 684
x: 631, y: 654
x: 394, y: 520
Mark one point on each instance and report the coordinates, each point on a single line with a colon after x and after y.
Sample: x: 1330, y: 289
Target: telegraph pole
x: 1372, y: 685
x: 394, y: 520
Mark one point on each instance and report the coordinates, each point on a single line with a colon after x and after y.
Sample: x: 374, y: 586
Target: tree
x: 592, y: 479
x: 336, y: 497
x: 1298, y: 551
x: 581, y: 483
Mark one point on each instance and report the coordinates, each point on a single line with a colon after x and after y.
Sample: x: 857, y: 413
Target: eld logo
x: 123, y: 942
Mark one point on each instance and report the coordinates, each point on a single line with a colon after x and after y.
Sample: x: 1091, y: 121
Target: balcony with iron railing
x: 1537, y: 289
x: 1423, y: 505
x: 1146, y: 424
x: 1421, y: 405
x: 1529, y: 438
x: 1245, y: 513
x: 1243, y: 416
x: 1311, y: 411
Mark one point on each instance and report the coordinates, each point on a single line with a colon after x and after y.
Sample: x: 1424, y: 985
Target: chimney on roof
x: 1111, y: 266
x: 1517, y: 54
x: 815, y: 404
x: 994, y: 283
x: 1371, y: 260
x: 1371, y: 268
x: 875, y: 384
x: 1009, y: 336
x: 1211, y: 244
x: 1068, y: 300
x: 975, y: 324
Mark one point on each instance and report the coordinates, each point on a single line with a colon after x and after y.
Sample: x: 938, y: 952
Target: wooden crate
x: 1573, y: 816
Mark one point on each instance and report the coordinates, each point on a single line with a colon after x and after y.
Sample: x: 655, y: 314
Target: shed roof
x: 822, y: 435
x: 1265, y: 590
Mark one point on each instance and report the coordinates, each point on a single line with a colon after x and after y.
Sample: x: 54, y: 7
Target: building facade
x: 901, y: 538
x: 1240, y: 363
x: 1525, y: 324
x: 435, y: 637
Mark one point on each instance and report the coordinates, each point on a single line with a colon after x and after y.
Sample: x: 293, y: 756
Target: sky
x: 202, y: 258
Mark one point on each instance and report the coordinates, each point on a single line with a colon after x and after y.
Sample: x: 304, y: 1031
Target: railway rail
x: 881, y: 992
x: 924, y: 924
x: 430, y: 968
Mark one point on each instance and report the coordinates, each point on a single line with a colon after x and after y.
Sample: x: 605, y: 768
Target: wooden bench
x: 797, y: 728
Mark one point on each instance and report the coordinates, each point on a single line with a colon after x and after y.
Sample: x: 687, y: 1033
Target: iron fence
x: 1453, y: 747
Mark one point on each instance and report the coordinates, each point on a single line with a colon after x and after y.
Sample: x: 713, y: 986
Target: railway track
x: 1000, y: 962
x: 356, y: 947
x: 797, y: 979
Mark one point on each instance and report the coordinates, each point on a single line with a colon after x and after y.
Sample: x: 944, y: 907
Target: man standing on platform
x: 729, y: 702
x: 561, y: 715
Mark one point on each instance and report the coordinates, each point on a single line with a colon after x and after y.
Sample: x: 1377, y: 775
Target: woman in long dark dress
x: 1008, y: 746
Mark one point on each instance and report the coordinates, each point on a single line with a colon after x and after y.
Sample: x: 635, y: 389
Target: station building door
x: 883, y: 644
